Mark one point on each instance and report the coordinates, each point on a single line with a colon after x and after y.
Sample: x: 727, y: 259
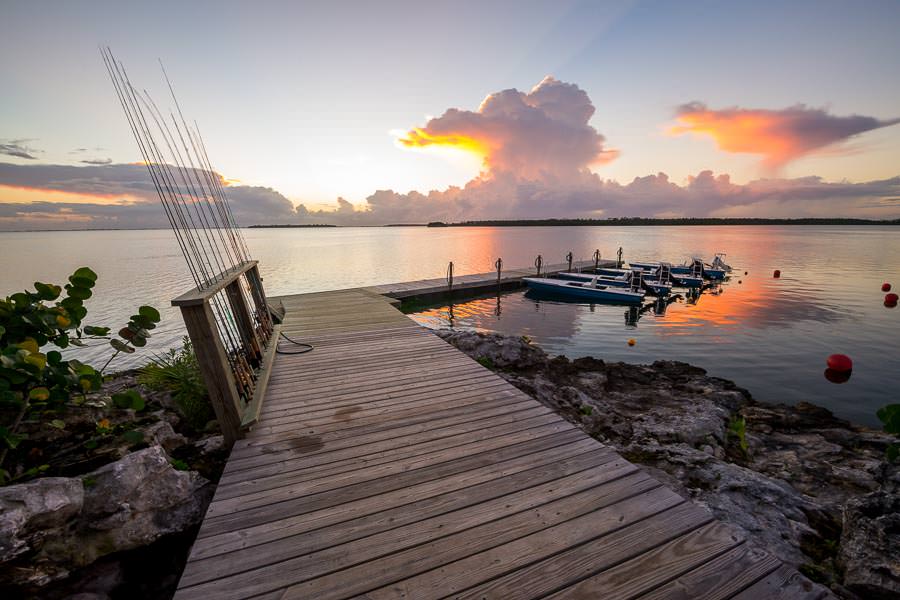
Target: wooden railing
x: 234, y: 339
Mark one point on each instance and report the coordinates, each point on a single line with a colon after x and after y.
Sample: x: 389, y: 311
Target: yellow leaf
x: 29, y: 344
x: 103, y: 423
x: 39, y: 393
x: 37, y: 359
x: 63, y: 321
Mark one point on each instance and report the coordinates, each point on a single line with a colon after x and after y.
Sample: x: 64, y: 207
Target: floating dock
x: 388, y: 464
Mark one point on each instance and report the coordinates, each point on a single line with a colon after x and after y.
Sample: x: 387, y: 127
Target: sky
x: 372, y: 113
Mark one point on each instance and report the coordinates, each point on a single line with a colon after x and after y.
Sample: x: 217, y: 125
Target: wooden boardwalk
x: 387, y: 464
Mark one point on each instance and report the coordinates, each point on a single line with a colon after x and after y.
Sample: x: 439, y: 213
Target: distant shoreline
x: 641, y: 221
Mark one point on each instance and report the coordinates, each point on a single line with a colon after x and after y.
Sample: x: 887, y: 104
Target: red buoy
x: 840, y: 363
x: 891, y: 299
x: 776, y: 274
x: 837, y: 376
x: 885, y: 287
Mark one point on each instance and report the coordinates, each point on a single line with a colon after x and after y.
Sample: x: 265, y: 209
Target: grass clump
x: 737, y: 429
x: 177, y: 372
x: 486, y: 362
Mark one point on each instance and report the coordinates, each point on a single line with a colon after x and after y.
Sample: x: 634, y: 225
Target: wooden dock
x: 477, y: 282
x: 387, y: 464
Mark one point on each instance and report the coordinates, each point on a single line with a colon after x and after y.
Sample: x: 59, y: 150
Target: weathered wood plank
x: 383, y: 478
x: 403, y: 471
x: 653, y: 567
x: 504, y: 489
x: 486, y: 523
x: 526, y: 465
x: 721, y: 578
x: 782, y: 584
x: 604, y: 502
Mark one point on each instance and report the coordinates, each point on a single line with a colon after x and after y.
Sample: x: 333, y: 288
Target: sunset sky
x: 415, y: 111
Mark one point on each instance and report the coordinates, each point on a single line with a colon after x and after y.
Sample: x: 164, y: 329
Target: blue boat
x: 625, y: 280
x: 585, y: 290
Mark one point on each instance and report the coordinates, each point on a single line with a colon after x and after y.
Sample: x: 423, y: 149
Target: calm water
x: 769, y: 335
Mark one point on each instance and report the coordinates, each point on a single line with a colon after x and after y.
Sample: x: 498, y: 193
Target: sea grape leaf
x: 121, y: 346
x: 86, y: 273
x: 148, y: 312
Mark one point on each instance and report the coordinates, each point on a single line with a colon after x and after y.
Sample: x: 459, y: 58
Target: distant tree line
x: 636, y: 221
x: 289, y: 226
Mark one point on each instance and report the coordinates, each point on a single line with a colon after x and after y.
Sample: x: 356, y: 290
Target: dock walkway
x: 387, y: 464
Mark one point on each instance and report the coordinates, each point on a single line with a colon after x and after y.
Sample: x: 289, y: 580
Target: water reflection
x: 770, y: 335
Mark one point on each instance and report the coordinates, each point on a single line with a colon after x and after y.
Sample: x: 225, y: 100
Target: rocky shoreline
x: 116, y: 513
x: 806, y: 486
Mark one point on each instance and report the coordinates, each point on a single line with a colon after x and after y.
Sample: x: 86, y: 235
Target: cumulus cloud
x: 779, y: 136
x: 540, y: 135
x: 705, y: 194
x: 18, y: 148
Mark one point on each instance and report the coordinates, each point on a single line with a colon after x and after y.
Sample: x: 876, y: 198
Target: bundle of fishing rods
x: 196, y: 205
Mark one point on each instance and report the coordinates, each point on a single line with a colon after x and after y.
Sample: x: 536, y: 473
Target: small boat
x: 625, y: 280
x: 689, y: 276
x: 586, y: 290
x: 719, y: 263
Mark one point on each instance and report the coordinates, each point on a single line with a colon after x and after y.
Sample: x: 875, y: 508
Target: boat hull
x: 651, y: 286
x: 573, y: 289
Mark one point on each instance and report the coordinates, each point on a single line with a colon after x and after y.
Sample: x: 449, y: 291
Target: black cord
x: 307, y: 347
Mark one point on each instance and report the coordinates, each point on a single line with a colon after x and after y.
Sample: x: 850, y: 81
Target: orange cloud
x: 20, y: 194
x: 540, y: 135
x: 779, y: 136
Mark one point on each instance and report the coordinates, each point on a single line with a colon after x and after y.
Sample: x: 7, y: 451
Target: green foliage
x: 180, y: 465
x: 737, y: 428
x: 486, y: 362
x: 35, y: 382
x: 129, y: 399
x: 586, y: 410
x: 133, y: 437
x: 890, y: 416
x: 177, y: 372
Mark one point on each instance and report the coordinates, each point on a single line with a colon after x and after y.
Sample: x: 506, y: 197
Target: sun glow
x: 419, y: 138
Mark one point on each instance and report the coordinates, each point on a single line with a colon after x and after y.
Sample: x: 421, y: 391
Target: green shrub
x: 177, y: 372
x: 737, y: 428
x: 890, y: 416
x: 36, y: 384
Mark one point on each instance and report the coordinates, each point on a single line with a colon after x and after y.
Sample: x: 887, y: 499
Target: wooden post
x: 213, y: 362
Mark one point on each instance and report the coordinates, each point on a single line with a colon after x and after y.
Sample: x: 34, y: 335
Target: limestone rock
x: 162, y: 434
x: 870, y: 545
x: 50, y: 526
x: 31, y: 511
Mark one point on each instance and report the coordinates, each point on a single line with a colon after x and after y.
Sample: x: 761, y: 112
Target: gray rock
x: 870, y: 545
x: 30, y: 511
x: 50, y: 526
x: 211, y: 444
x: 162, y: 434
